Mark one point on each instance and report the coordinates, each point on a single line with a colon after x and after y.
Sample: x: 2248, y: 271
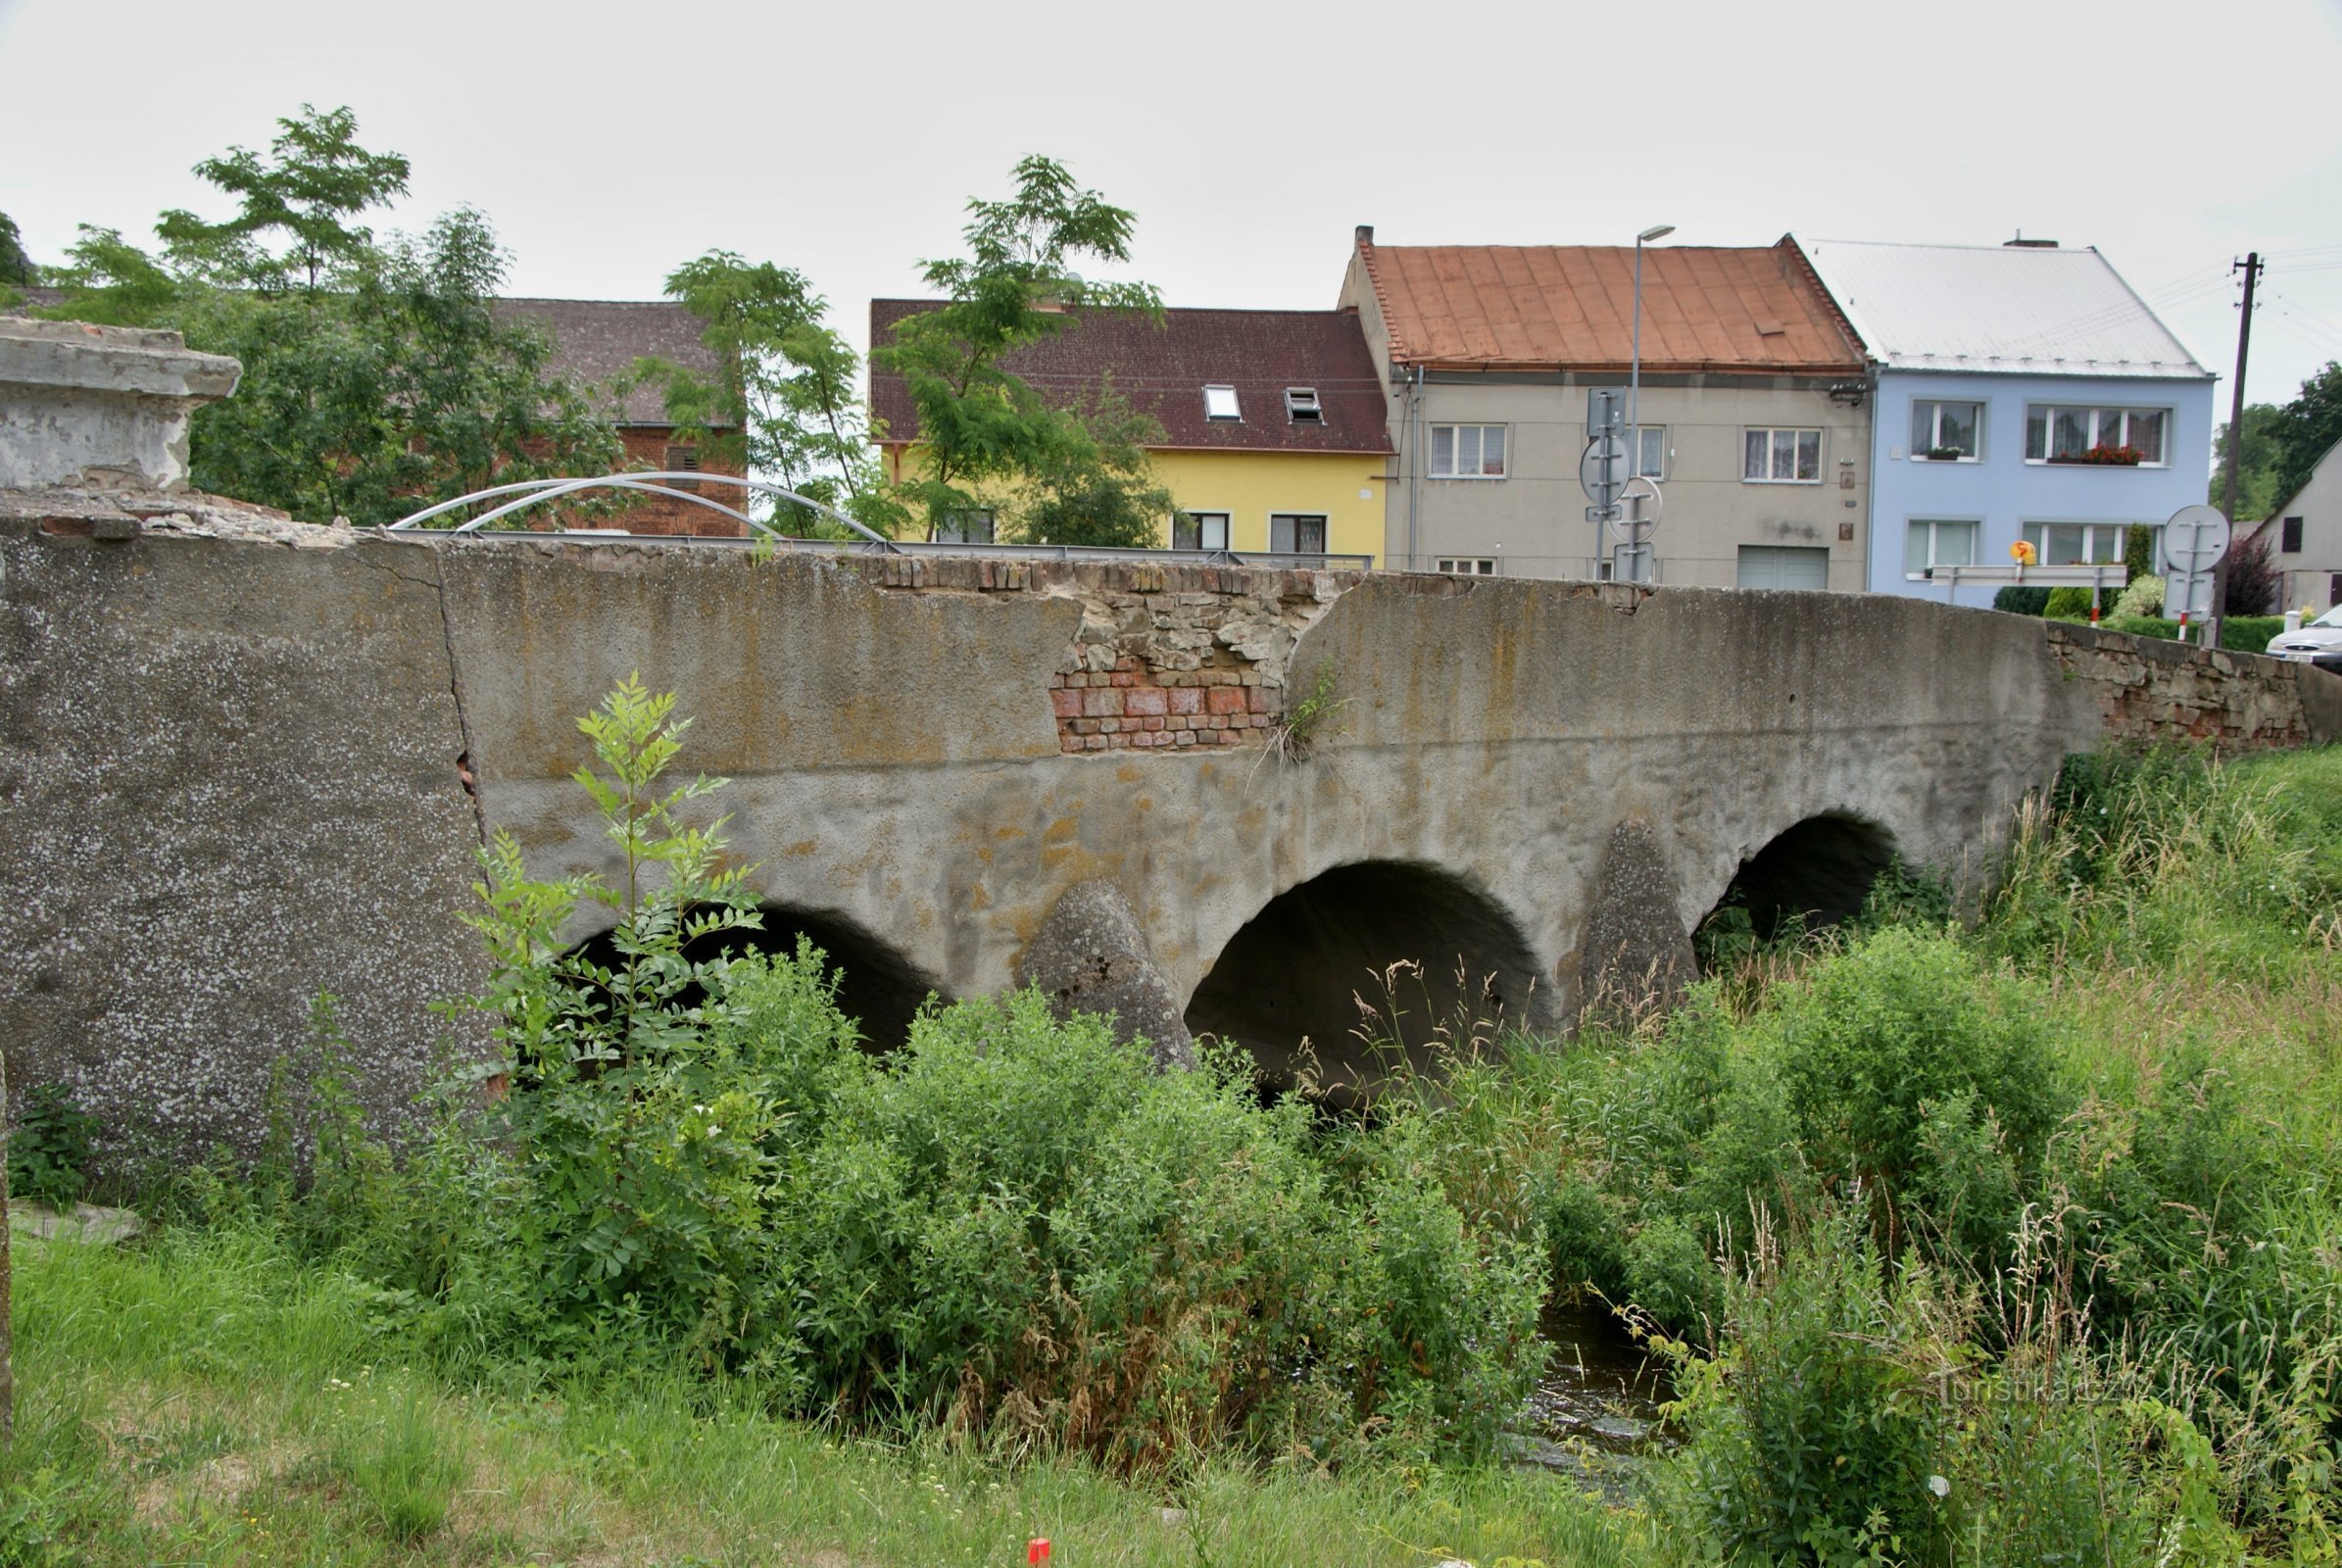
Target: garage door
x: 1783, y: 567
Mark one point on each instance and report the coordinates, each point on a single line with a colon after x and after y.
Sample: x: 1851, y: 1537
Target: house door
x: 1783, y: 567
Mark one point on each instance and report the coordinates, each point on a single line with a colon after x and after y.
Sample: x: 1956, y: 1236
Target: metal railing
x: 531, y: 492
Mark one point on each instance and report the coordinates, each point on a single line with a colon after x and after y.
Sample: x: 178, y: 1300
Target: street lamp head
x: 1661, y: 232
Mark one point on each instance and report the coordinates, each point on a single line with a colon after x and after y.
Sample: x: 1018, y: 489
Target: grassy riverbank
x: 2012, y: 1242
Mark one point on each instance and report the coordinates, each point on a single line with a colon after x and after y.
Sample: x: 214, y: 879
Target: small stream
x: 1595, y: 1412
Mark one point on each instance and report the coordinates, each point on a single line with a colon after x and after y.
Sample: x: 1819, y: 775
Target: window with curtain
x: 1782, y: 456
x: 2054, y: 433
x: 1938, y: 542
x: 1468, y: 451
x: 1939, y: 429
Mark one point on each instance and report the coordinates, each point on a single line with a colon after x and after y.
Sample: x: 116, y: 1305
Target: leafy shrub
x: 2141, y: 596
x: 1815, y: 1436
x: 1014, y: 1228
x: 2021, y: 599
x: 48, y: 1151
x: 1904, y: 1067
x: 2067, y: 604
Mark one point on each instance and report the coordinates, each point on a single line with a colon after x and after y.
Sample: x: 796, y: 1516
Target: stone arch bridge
x: 246, y: 763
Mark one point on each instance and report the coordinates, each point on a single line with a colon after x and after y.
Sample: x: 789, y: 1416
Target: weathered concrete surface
x: 227, y: 783
x: 82, y: 404
x: 1638, y: 951
x: 1090, y: 955
x: 233, y: 768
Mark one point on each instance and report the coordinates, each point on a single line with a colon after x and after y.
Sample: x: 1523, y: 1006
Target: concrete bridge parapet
x: 240, y: 774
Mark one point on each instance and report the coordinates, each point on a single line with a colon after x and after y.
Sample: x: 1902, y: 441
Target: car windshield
x: 2332, y: 617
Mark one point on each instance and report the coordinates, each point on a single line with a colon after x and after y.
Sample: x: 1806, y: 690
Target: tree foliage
x: 377, y: 376
x: 983, y: 426
x: 2305, y: 428
x: 294, y: 207
x: 2256, y: 488
x: 786, y: 378
x: 15, y: 268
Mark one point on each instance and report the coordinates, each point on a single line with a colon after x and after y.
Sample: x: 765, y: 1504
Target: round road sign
x: 1638, y: 510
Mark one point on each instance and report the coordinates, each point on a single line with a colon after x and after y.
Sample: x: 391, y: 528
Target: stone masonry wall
x: 2150, y: 690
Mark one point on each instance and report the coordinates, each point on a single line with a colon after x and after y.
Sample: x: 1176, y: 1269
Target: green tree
x: 2305, y: 428
x: 786, y: 378
x: 1099, y: 485
x: 979, y: 423
x: 2256, y: 482
x: 377, y: 377
x: 294, y: 207
x: 15, y: 268
x: 406, y: 389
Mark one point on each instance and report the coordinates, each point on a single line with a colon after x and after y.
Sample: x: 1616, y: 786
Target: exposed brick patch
x: 1166, y: 657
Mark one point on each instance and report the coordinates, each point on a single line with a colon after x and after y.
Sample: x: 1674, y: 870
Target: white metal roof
x: 2007, y: 309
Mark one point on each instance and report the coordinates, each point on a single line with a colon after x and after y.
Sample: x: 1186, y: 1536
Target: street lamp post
x: 1634, y: 372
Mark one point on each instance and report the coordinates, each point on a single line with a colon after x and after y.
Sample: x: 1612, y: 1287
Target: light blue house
x: 2019, y: 391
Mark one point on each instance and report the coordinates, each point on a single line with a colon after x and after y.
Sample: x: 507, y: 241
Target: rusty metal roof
x: 1705, y: 309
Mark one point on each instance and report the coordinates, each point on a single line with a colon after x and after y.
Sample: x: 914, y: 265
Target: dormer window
x: 1219, y: 402
x: 1302, y: 406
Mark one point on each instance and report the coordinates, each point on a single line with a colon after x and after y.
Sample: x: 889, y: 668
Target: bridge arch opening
x: 879, y: 987
x: 1814, y: 876
x: 1322, y: 963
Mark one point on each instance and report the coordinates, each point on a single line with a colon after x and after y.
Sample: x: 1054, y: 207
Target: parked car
x: 2319, y: 636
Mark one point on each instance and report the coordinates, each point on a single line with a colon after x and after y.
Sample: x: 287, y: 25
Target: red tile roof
x: 1705, y: 310
x: 597, y: 341
x: 1163, y: 369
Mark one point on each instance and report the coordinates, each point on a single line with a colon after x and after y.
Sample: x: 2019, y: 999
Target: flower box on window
x: 1943, y: 455
x: 2103, y: 456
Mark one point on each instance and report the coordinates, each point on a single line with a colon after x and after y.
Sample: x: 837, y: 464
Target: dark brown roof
x: 1705, y: 309
x: 596, y: 341
x: 1162, y: 370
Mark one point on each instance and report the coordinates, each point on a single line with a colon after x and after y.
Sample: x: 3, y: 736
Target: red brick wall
x: 646, y: 448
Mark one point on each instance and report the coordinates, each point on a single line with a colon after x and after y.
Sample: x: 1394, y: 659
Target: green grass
x: 209, y: 1399
x: 217, y: 1394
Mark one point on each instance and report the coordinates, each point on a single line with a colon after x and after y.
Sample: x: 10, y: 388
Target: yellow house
x: 1276, y: 439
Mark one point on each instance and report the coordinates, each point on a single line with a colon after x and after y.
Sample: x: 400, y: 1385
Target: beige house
x: 1754, y: 409
x: 2305, y: 538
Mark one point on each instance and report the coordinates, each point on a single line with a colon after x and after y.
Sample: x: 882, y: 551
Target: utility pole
x: 2250, y: 267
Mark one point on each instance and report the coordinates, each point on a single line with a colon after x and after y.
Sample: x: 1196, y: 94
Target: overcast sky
x: 608, y: 142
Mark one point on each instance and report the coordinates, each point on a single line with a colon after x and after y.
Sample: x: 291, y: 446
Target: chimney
x: 1366, y: 233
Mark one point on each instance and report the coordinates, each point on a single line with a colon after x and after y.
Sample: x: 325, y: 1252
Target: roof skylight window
x: 1302, y: 406
x: 1219, y: 402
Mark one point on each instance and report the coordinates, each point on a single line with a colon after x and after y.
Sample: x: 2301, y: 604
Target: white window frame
x: 1302, y: 407
x: 1213, y: 415
x: 1325, y: 525
x: 1226, y: 520
x: 1454, y: 442
x: 2035, y: 532
x: 1657, y: 471
x: 1821, y: 452
x: 2049, y: 416
x: 1918, y: 454
x: 1466, y: 566
x: 1976, y: 544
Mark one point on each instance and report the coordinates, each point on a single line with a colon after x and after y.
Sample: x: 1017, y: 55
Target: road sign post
x: 2193, y: 542
x: 1637, y: 516
x: 1602, y: 470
